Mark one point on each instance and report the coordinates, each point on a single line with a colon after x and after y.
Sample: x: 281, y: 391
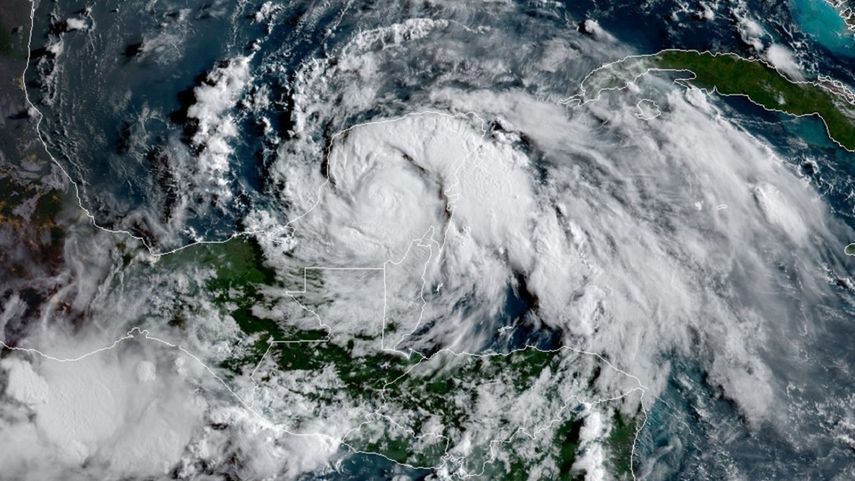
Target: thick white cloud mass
x: 636, y: 235
x: 128, y: 411
x: 782, y: 58
x: 591, y: 461
x: 638, y: 238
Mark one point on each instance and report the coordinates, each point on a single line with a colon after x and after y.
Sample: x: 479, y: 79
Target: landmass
x: 846, y: 12
x: 730, y: 74
x: 515, y: 411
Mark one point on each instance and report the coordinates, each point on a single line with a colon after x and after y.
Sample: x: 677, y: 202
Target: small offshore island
x: 849, y: 250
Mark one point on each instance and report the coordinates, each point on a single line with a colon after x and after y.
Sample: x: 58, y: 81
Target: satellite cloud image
x: 427, y: 240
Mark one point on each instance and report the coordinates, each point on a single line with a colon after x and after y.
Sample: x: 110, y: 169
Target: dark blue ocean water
x: 117, y: 115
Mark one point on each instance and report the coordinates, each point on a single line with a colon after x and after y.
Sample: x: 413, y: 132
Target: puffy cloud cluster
x: 636, y: 238
x: 214, y: 123
x: 130, y: 414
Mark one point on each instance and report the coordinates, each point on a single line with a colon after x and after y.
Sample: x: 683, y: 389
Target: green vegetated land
x: 730, y: 74
x: 415, y: 390
x: 849, y: 250
x: 621, y: 439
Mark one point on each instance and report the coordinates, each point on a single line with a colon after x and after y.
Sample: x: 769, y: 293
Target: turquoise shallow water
x: 820, y: 20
